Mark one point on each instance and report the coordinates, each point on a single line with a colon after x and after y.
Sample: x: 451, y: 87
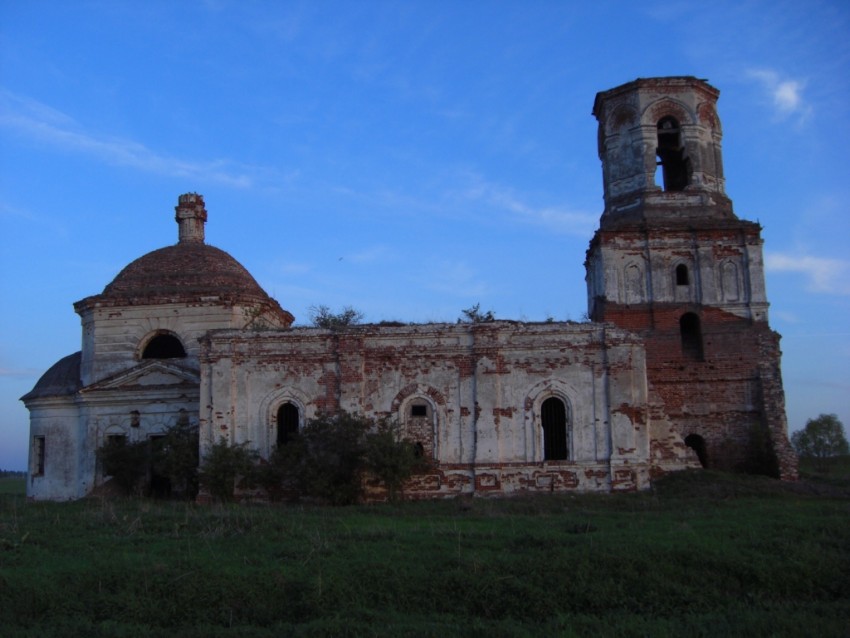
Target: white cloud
x: 831, y: 276
x: 786, y: 94
x: 35, y: 120
x: 456, y: 278
x: 556, y: 218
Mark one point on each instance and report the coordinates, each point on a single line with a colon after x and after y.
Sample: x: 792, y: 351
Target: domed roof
x: 62, y: 379
x: 184, y: 272
x: 187, y: 272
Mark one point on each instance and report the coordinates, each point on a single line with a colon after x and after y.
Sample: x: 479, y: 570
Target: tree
x: 323, y: 317
x: 473, y: 314
x: 822, y: 438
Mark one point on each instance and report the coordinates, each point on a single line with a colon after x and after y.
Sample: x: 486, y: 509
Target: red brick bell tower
x: 672, y: 262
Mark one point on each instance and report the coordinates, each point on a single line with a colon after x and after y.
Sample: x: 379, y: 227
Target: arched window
x: 634, y: 284
x: 553, y: 417
x: 164, y: 346
x: 729, y: 281
x: 697, y: 444
x: 689, y: 329
x: 287, y: 423
x: 682, y: 278
x: 419, y: 426
x: 675, y: 167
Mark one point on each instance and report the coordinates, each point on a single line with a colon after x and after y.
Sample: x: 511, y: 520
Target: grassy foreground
x: 704, y: 554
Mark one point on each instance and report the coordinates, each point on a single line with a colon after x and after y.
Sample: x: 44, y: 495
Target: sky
x: 409, y: 159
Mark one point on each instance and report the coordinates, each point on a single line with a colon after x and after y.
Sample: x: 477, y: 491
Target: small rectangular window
x: 418, y: 409
x: 38, y: 455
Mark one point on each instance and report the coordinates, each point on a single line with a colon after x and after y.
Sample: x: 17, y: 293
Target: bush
x: 127, y: 463
x: 175, y: 457
x: 227, y: 467
x: 331, y: 455
x: 324, y: 317
x: 390, y: 457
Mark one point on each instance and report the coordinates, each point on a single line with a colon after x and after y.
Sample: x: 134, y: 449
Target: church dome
x: 187, y: 272
x: 184, y: 272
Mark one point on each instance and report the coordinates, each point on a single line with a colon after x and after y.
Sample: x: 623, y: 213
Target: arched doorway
x: 287, y: 423
x: 553, y: 417
x: 697, y: 444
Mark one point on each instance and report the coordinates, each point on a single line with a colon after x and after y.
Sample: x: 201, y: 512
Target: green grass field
x: 13, y: 485
x: 703, y: 554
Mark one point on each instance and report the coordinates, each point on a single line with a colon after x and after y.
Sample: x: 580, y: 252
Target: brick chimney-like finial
x: 191, y: 217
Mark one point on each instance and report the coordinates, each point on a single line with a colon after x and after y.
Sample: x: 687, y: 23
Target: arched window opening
x: 691, y: 336
x: 697, y: 444
x: 287, y: 423
x: 675, y: 167
x: 682, y: 278
x: 553, y: 416
x: 164, y: 346
x: 419, y: 427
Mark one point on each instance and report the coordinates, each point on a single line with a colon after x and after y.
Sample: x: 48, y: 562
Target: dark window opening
x: 553, y: 414
x: 419, y: 450
x: 418, y: 409
x: 691, y: 337
x: 697, y: 444
x: 675, y: 167
x: 682, y: 278
x: 114, y: 440
x: 164, y: 347
x: 287, y: 423
x: 38, y: 455
x: 135, y: 419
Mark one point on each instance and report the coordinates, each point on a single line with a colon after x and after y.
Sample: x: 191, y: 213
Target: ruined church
x: 676, y: 368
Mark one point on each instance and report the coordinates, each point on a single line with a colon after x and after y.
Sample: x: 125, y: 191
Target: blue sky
x: 407, y: 158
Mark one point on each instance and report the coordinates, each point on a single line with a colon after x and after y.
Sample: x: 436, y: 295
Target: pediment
x: 149, y: 375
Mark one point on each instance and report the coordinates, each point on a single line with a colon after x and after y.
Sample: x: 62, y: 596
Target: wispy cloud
x: 370, y: 254
x: 32, y: 119
x: 20, y: 372
x: 786, y: 94
x: 560, y: 219
x: 824, y: 275
x: 456, y: 278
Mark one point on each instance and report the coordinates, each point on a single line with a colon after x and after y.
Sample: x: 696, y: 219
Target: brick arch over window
x: 667, y: 107
x: 162, y: 344
x: 272, y: 407
x: 420, y: 409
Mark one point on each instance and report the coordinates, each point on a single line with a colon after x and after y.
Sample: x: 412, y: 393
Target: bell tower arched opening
x: 675, y: 166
